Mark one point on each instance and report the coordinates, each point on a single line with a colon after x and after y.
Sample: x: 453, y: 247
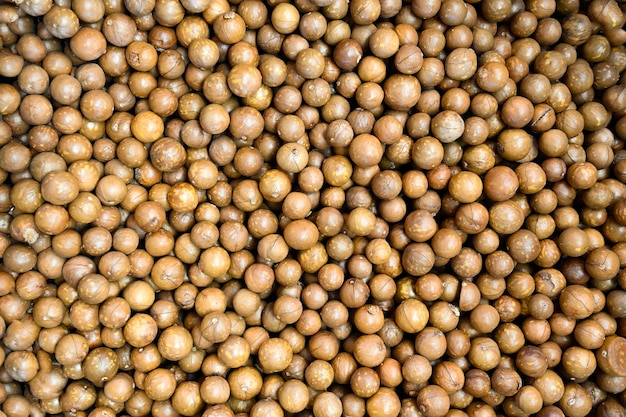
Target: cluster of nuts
x: 326, y: 208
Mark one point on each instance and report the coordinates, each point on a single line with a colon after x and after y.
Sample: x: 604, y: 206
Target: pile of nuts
x: 317, y: 208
